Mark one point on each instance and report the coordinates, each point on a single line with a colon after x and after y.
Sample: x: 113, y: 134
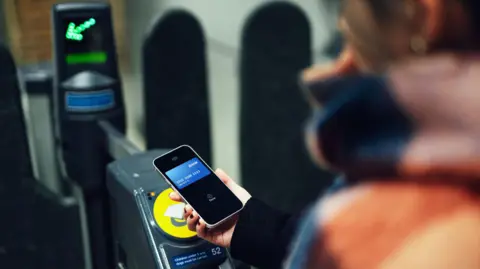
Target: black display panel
x: 84, y: 38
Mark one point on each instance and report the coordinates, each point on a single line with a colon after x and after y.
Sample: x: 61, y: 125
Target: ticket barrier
x: 145, y: 235
x: 124, y: 212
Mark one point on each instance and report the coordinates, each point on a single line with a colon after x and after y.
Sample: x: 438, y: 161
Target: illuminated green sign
x: 75, y: 32
x: 99, y: 57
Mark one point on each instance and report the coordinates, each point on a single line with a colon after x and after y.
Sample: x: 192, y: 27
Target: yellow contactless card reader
x: 166, y: 217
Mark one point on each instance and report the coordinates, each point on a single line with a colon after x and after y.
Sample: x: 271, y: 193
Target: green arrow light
x: 75, y: 32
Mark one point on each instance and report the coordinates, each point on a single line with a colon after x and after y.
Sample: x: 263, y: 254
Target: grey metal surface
x: 41, y: 127
x: 118, y: 146
x: 85, y: 80
x: 123, y: 177
x: 36, y: 82
x: 135, y: 172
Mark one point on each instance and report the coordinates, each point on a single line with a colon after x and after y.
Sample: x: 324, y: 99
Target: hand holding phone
x: 220, y: 235
x: 198, y: 185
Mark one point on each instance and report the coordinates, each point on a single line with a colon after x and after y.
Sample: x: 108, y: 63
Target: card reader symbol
x: 210, y: 197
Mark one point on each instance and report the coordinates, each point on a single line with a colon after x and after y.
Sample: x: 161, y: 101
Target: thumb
x: 223, y: 176
x: 175, y: 197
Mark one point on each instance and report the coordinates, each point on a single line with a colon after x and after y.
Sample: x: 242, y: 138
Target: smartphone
x: 186, y: 172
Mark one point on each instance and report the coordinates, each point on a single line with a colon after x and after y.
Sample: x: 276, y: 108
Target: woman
x: 407, y: 145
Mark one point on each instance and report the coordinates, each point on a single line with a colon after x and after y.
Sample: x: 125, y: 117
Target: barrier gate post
x: 87, y: 88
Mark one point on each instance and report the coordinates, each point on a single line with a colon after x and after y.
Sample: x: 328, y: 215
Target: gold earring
x: 418, y: 45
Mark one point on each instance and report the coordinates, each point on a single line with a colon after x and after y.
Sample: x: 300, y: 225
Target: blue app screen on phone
x: 188, y: 173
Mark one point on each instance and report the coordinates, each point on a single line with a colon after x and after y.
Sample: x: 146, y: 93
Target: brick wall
x: 29, y: 31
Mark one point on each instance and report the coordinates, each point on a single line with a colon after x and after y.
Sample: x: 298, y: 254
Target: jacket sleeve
x: 262, y: 235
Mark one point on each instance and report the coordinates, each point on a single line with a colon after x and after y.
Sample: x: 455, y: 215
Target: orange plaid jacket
x: 409, y: 142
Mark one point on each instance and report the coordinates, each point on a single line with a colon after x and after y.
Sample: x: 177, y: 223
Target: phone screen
x: 198, y: 184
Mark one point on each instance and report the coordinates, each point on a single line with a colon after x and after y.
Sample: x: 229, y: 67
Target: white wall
x: 222, y: 21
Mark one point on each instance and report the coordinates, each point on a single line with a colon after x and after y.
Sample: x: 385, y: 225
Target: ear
x: 344, y: 65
